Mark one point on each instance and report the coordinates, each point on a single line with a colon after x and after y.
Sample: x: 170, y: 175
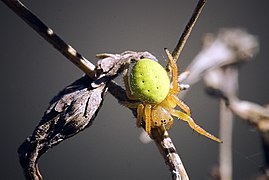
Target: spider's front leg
x: 172, y: 97
x: 173, y: 66
x: 193, y: 125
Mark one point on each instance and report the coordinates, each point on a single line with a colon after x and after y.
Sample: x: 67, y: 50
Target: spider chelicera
x: 149, y: 83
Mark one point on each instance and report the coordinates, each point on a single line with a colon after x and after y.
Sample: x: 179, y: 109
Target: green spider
x: 149, y: 83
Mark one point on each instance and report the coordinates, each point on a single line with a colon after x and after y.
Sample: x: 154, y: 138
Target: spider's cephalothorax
x: 149, y: 83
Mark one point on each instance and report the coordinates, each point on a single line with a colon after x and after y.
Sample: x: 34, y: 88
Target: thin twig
x: 187, y: 31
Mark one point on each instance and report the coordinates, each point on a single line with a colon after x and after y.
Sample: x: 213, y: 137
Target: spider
x: 149, y: 83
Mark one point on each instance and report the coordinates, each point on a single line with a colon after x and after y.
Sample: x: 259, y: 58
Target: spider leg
x: 126, y: 82
x: 193, y: 125
x: 180, y: 103
x: 140, y: 111
x: 175, y: 86
x: 147, y: 118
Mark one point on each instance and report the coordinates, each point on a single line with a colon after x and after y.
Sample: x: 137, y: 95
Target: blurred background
x: 32, y: 72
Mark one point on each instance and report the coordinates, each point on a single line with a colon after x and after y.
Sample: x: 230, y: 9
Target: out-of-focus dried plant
x: 218, y: 63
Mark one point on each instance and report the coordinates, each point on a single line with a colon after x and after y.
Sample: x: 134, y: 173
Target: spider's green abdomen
x: 149, y: 81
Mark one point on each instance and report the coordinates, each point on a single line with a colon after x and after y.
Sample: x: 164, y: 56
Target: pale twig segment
x: 47, y: 33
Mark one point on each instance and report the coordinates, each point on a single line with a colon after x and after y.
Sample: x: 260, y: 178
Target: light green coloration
x: 149, y: 81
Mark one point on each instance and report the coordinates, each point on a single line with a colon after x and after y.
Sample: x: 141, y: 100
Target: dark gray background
x: 32, y: 72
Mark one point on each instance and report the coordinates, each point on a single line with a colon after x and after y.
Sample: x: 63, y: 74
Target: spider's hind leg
x: 193, y: 125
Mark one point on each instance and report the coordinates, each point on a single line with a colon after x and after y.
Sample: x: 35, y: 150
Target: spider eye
x: 163, y: 122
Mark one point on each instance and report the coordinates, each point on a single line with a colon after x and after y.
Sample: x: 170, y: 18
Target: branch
x: 75, y: 107
x: 47, y: 33
x: 187, y: 31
